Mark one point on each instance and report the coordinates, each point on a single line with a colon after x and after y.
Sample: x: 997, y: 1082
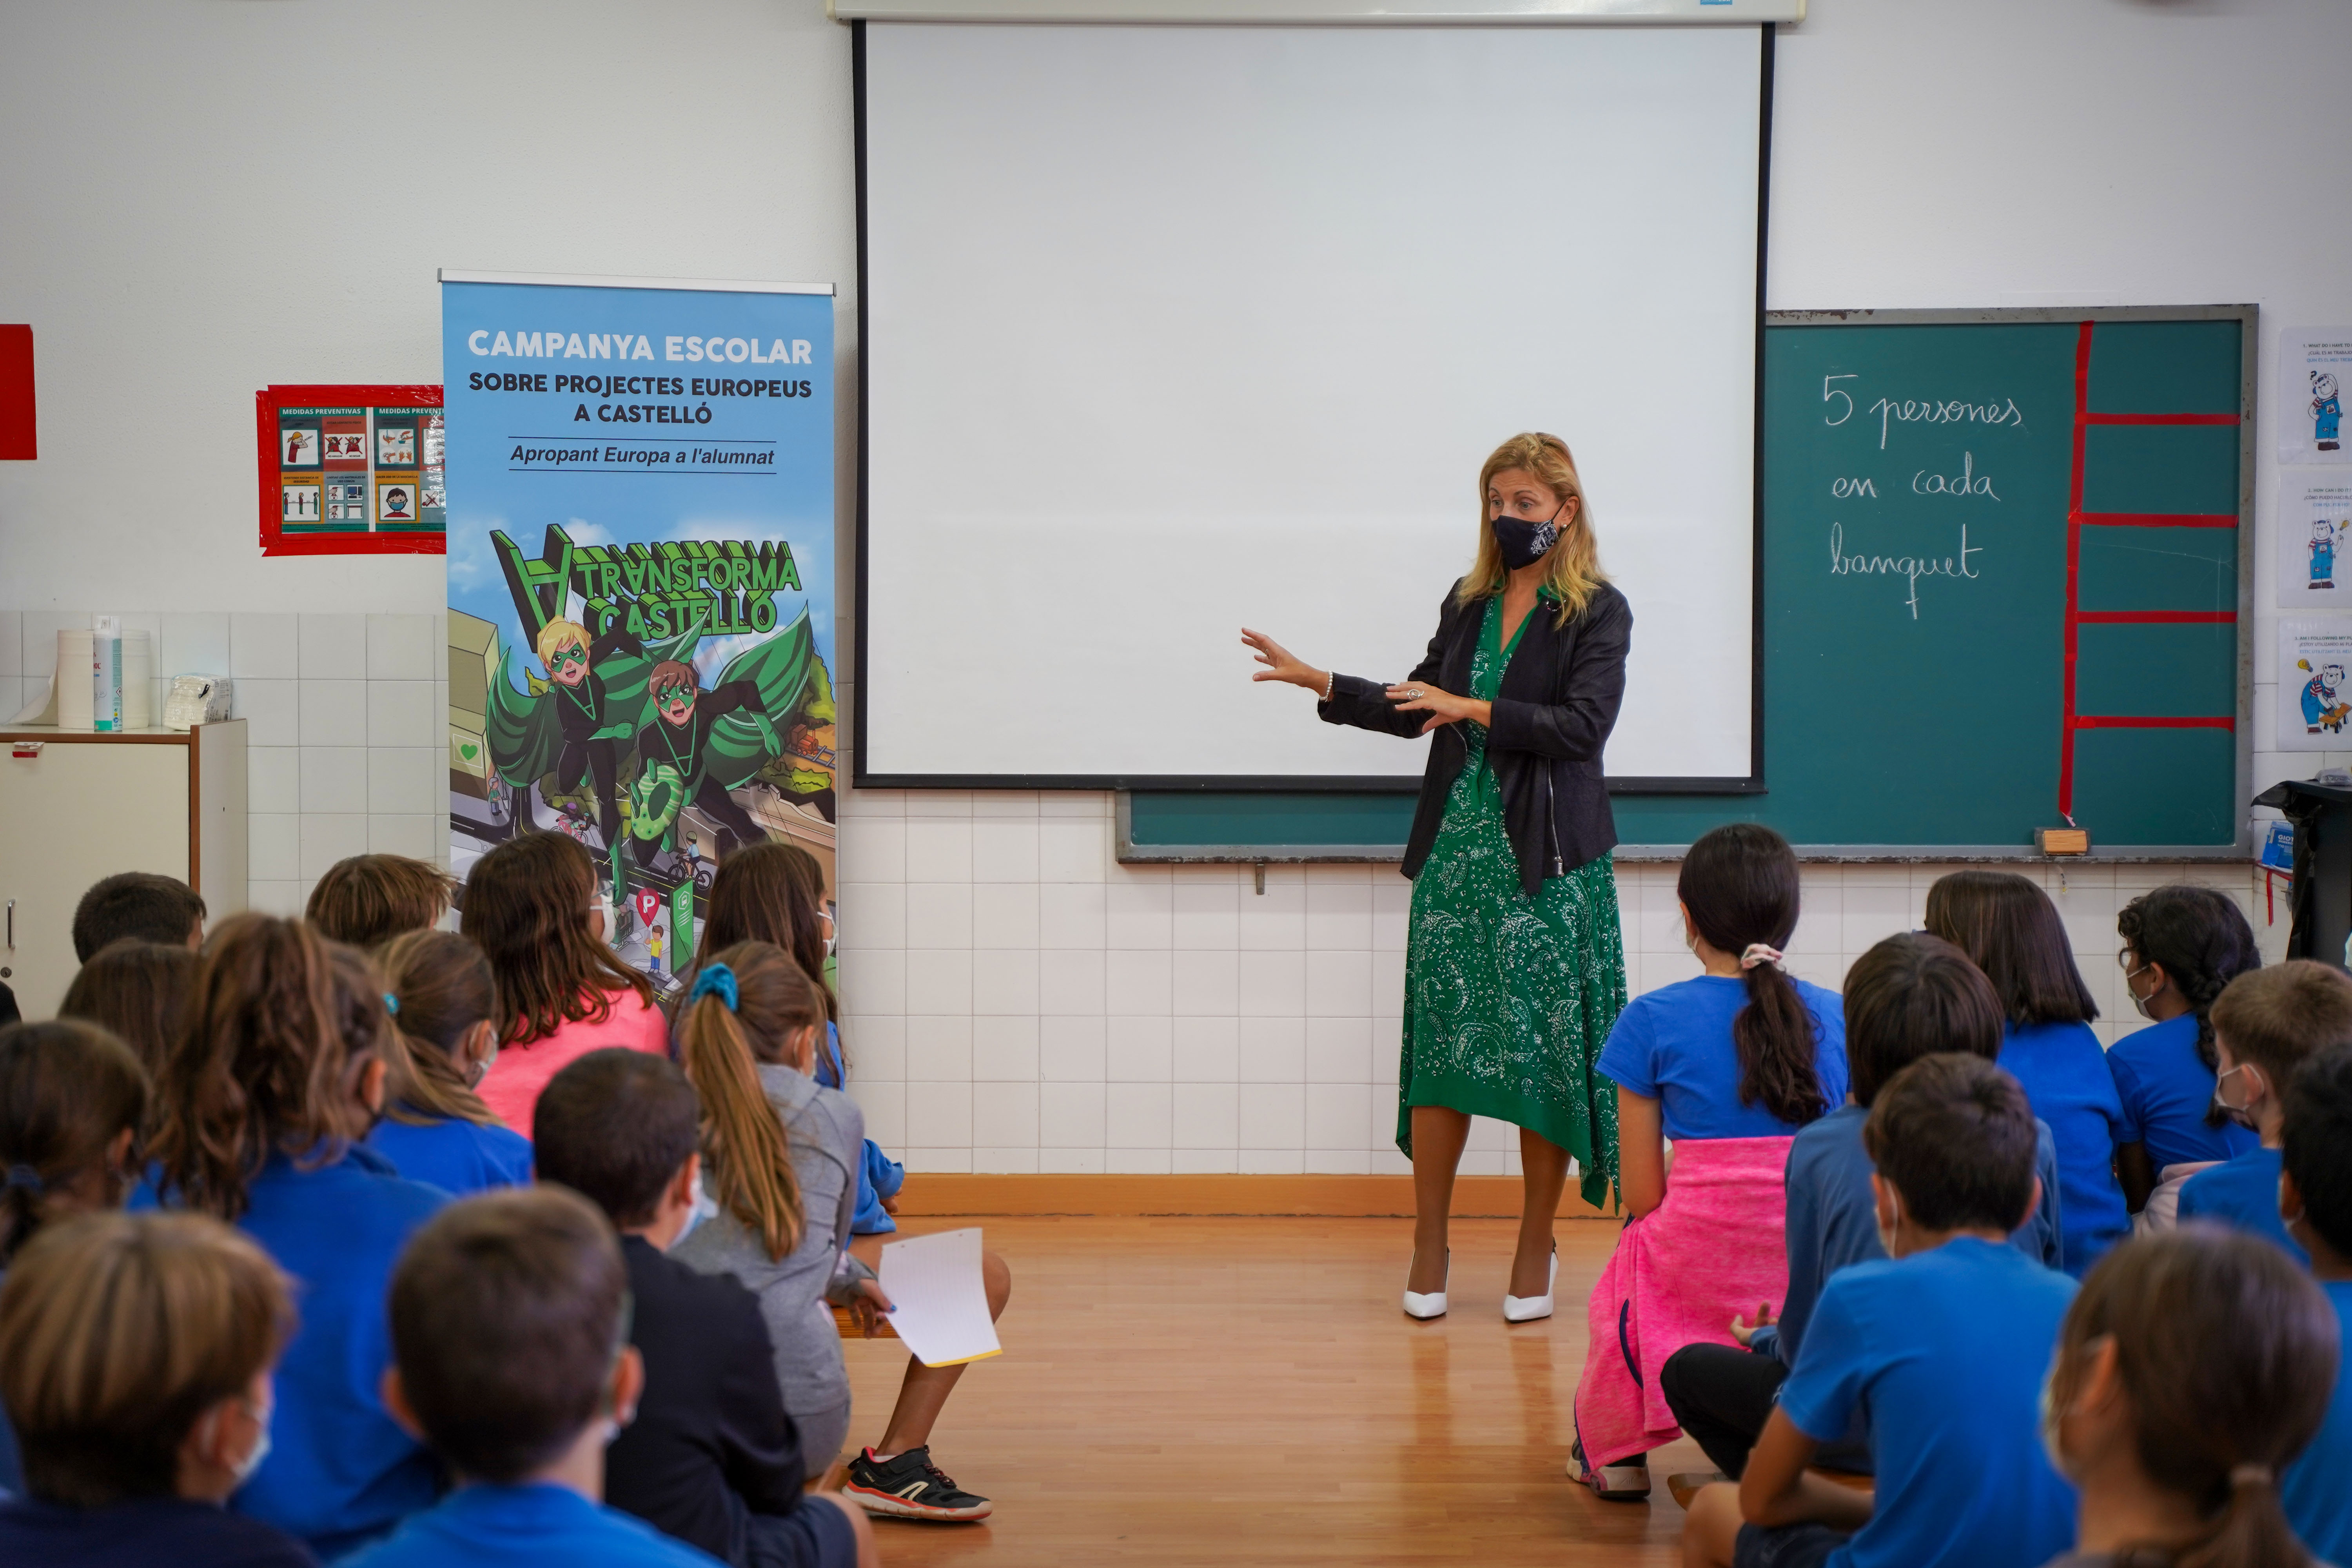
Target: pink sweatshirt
x: 510, y: 1089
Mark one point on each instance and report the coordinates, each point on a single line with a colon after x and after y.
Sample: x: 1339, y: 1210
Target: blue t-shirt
x: 1943, y: 1353
x: 339, y: 1472
x: 1674, y: 1045
x: 2317, y: 1501
x: 485, y: 1526
x: 142, y: 1534
x: 1833, y: 1221
x: 2165, y: 1086
x: 454, y: 1154
x: 2067, y: 1081
x: 2242, y: 1194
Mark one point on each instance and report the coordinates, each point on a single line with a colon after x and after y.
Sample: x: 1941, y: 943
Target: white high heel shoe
x: 1429, y: 1304
x: 1527, y: 1309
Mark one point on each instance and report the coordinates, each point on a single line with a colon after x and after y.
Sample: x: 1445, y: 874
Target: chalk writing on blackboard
x: 1966, y: 482
x: 1949, y: 411
x: 1911, y: 568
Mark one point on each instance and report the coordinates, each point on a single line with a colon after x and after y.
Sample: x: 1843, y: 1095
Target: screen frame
x: 862, y: 777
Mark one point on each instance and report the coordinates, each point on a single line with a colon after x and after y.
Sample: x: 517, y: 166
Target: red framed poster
x: 350, y: 470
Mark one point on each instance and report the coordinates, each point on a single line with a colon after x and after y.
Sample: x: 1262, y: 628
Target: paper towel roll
x: 138, y: 681
x: 74, y: 657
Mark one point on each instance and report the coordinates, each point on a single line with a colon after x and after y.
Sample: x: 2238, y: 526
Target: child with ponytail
x: 2192, y: 1368
x: 263, y: 1103
x: 531, y: 905
x: 780, y: 1156
x: 445, y: 1013
x: 2010, y: 929
x: 1729, y: 1064
x: 2181, y: 946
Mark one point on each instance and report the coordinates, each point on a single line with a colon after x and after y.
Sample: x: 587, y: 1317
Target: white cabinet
x: 75, y: 806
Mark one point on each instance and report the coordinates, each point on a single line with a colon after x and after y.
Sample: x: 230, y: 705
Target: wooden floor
x: 1238, y: 1391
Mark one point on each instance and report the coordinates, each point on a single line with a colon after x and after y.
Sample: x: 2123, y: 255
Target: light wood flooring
x: 1231, y: 1391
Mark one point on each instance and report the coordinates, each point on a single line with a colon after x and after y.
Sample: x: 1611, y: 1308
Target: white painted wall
x: 1018, y: 1000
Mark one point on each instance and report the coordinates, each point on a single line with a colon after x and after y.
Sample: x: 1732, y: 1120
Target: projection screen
x: 1171, y: 330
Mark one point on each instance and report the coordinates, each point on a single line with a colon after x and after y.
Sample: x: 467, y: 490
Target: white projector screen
x: 1169, y: 331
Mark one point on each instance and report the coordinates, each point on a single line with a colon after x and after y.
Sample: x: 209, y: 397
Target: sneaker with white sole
x: 909, y: 1485
x: 1625, y: 1482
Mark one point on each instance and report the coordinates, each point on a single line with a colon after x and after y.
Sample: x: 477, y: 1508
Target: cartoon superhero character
x: 2327, y: 411
x: 585, y: 713
x: 2324, y: 707
x: 674, y: 752
x: 2323, y: 534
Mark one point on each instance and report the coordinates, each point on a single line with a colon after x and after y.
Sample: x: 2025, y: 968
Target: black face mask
x: 1524, y: 543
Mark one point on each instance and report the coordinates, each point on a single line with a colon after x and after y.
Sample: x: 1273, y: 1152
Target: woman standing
x: 1515, y: 969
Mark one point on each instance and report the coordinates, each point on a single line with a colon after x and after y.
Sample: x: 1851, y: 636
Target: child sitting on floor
x: 511, y: 1357
x: 2191, y: 1369
x: 72, y: 1100
x: 134, y: 1437
x: 2316, y: 1200
x: 368, y: 899
x: 783, y: 1155
x: 136, y: 991
x: 1729, y: 1066
x: 711, y: 1457
x: 2265, y: 1026
x: 2010, y: 929
x: 2181, y: 946
x: 436, y: 1128
x: 260, y: 1109
x: 1941, y: 1349
x: 531, y: 906
x: 1910, y: 996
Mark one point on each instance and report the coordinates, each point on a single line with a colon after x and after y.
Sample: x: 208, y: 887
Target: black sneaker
x: 910, y: 1487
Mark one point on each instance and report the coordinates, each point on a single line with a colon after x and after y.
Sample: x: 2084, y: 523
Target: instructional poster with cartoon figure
x: 2315, y: 373
x: 2314, y: 539
x: 2314, y: 693
x: 641, y: 568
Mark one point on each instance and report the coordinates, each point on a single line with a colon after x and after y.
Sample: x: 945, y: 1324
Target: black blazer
x: 711, y: 1445
x: 1552, y: 716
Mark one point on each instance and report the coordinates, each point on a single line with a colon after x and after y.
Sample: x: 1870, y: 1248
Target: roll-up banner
x: 640, y: 539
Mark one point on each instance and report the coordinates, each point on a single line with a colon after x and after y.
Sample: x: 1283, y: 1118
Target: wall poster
x: 350, y: 469
x: 641, y: 570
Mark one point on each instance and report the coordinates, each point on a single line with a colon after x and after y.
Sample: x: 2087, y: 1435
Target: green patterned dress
x: 1508, y: 999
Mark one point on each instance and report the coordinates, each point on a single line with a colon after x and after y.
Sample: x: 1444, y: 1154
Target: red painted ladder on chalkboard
x: 2078, y: 519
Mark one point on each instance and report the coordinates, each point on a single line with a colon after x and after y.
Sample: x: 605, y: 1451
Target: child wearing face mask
x: 2191, y: 1370
x: 72, y: 1097
x: 133, y: 1439
x: 436, y: 1128
x: 2265, y: 1026
x: 2181, y: 946
x: 263, y: 1104
x: 1940, y: 1349
x: 2316, y: 1200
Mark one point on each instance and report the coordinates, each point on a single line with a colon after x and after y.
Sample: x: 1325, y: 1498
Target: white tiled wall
x: 1019, y: 1001
x: 347, y: 744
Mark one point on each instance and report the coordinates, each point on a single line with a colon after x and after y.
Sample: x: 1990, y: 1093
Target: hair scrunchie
x: 26, y: 1177
x: 1756, y: 953
x: 392, y: 1004
x: 716, y: 980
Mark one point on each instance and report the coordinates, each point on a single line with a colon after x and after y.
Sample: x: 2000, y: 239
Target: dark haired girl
x: 436, y: 1127
x: 2181, y: 946
x: 1729, y: 1064
x: 531, y: 905
x: 261, y: 1106
x: 2010, y: 929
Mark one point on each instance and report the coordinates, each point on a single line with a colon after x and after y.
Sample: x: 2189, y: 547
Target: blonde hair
x: 745, y: 1151
x: 1573, y: 569
x: 117, y: 1332
x: 560, y: 633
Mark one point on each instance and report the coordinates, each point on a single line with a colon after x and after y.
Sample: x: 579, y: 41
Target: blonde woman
x: 1515, y: 969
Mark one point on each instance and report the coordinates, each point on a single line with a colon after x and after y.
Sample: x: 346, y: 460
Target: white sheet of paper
x: 942, y: 1302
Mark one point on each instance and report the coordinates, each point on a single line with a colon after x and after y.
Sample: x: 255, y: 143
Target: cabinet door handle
x: 12, y: 925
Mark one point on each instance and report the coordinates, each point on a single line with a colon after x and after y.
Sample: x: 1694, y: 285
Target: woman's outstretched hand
x: 1281, y: 664
x: 1443, y: 707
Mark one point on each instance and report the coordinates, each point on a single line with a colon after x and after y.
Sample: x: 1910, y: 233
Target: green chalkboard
x: 2003, y: 578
